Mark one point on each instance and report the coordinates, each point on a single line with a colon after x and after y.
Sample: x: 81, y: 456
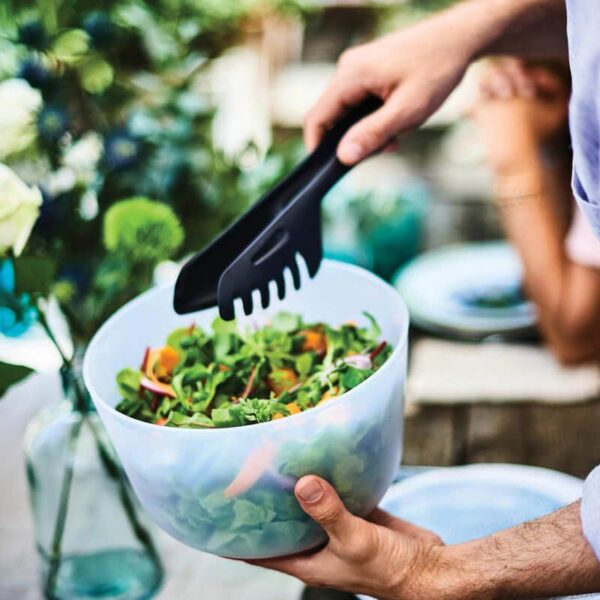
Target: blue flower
x: 101, y: 29
x: 53, y: 123
x: 121, y: 150
x: 35, y: 73
x: 17, y: 313
x: 33, y: 34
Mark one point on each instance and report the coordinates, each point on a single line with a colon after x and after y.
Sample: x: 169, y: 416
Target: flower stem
x: 61, y: 517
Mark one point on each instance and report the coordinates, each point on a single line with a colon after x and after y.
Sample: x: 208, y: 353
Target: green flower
x: 143, y: 230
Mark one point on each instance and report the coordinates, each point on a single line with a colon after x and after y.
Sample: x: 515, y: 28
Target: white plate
x: 446, y: 290
x: 465, y: 503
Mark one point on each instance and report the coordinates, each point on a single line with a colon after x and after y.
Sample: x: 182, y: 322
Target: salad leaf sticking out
x: 228, y: 378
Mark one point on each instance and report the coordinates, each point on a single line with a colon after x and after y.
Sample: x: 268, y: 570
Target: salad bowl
x: 183, y: 477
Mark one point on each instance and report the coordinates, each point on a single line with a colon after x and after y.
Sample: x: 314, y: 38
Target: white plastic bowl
x: 180, y: 475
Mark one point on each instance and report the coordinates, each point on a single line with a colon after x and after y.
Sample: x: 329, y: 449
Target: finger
x: 342, y: 93
x: 385, y: 519
x: 376, y: 130
x: 320, y: 501
x: 500, y: 86
x: 520, y: 79
x: 290, y: 565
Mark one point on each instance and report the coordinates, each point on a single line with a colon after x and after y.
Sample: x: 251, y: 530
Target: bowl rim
x: 186, y: 431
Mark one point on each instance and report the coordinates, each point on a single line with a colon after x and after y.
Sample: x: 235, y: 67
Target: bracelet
x: 513, y: 190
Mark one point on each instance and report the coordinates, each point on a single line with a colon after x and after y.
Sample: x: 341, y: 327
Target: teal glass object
x: 380, y: 231
x: 90, y: 538
x: 17, y: 313
x: 396, y: 241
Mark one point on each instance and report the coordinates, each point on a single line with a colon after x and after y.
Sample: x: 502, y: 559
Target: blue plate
x: 469, y: 290
x: 464, y: 503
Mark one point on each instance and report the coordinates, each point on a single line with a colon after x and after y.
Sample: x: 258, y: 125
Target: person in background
x: 413, y: 71
x: 523, y: 116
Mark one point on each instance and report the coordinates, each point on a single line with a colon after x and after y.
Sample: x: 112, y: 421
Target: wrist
x: 456, y: 574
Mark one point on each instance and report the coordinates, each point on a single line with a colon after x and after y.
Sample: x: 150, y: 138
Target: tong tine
x: 280, y: 281
x: 247, y: 302
x: 227, y: 308
x: 265, y: 295
x: 295, y: 271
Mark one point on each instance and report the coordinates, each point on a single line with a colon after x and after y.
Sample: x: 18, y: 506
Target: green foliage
x: 142, y: 230
x: 34, y: 274
x: 11, y: 374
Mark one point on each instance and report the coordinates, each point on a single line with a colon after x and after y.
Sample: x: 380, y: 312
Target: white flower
x: 19, y: 209
x: 20, y: 103
x: 83, y: 156
x: 60, y: 181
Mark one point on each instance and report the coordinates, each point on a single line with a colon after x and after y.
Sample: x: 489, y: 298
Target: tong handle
x: 321, y: 169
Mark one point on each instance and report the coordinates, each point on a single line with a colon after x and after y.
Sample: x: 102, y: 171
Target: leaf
x: 71, y: 45
x: 196, y: 420
x: 304, y: 364
x: 95, y: 74
x: 286, y: 322
x: 34, y: 274
x: 221, y: 326
x: 223, y: 342
x: 128, y: 381
x: 249, y: 514
x: 351, y: 377
x: 11, y: 374
x: 375, y: 331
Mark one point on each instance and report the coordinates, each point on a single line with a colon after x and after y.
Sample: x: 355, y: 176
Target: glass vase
x: 89, y: 536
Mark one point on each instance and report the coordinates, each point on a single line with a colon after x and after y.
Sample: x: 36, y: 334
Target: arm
x: 546, y: 557
x: 533, y: 194
x: 392, y: 559
x: 414, y: 70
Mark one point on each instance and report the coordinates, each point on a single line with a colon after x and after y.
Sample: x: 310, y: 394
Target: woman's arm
x: 532, y: 193
x: 414, y: 70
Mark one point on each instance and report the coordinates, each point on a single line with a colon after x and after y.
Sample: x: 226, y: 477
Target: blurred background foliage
x: 125, y: 109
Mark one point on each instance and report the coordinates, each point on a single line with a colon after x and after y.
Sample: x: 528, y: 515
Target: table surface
x: 189, y: 574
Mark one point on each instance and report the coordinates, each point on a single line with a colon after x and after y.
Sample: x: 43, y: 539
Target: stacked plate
x: 469, y: 291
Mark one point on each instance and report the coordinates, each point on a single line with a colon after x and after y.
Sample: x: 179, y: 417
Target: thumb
x: 320, y: 501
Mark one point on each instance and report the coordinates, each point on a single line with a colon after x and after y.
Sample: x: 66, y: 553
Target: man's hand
x: 383, y: 556
x: 414, y: 70
x: 394, y: 560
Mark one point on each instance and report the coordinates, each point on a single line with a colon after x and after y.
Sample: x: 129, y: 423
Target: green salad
x: 227, y: 378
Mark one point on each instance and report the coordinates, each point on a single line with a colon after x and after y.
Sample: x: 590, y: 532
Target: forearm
x: 566, y: 295
x: 546, y: 557
x: 521, y: 28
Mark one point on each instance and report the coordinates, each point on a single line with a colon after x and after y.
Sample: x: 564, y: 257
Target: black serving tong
x: 263, y: 242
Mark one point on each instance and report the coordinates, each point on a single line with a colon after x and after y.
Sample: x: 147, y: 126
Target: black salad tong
x: 258, y: 247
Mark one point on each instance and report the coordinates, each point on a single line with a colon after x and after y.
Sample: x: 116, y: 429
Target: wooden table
x: 564, y: 437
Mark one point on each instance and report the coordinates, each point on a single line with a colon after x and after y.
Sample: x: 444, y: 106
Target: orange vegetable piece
x: 314, y: 340
x: 254, y: 467
x: 292, y: 407
x: 160, y: 421
x: 167, y: 360
x: 282, y: 380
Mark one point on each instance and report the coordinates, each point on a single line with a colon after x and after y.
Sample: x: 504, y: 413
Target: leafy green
x: 128, y: 381
x: 225, y: 378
